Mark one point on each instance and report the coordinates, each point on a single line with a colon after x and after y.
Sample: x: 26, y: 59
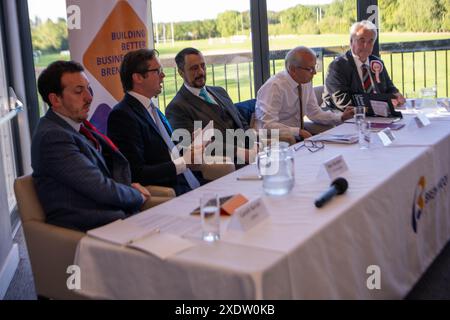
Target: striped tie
x: 367, y: 82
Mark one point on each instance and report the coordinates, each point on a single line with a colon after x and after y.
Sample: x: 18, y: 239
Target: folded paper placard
x: 249, y: 215
x: 230, y: 206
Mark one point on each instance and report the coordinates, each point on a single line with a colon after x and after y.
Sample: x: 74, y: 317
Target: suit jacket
x: 131, y: 127
x: 185, y: 108
x: 78, y: 187
x: 343, y: 81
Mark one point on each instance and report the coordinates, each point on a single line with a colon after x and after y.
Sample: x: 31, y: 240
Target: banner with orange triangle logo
x: 100, y: 34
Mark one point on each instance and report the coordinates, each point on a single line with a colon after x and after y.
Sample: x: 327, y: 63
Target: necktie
x: 367, y: 82
x: 302, y: 124
x: 188, y: 175
x: 204, y: 94
x: 91, y: 127
x: 85, y: 132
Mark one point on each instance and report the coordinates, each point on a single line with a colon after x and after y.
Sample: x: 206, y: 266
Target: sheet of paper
x: 336, y: 138
x: 120, y: 232
x: 380, y: 108
x: 203, y: 136
x: 162, y: 245
x: 179, y: 226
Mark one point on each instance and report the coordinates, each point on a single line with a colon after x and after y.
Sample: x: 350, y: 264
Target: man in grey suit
x: 82, y: 179
x: 195, y: 101
x: 358, y: 71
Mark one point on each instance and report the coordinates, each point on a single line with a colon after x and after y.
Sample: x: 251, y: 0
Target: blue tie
x: 188, y: 175
x: 205, y: 96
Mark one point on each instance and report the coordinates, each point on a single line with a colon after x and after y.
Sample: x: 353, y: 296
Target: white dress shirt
x: 278, y: 106
x: 359, y: 64
x: 180, y: 164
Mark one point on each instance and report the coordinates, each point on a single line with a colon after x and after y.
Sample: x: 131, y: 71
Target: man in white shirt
x: 358, y: 71
x: 141, y: 131
x: 284, y: 100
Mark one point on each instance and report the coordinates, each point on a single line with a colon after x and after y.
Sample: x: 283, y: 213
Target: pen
x: 145, y: 235
x: 250, y: 177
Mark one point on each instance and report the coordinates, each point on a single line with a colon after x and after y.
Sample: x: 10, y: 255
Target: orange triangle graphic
x: 123, y: 31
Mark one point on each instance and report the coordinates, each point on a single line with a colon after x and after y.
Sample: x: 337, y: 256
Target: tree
x: 227, y: 23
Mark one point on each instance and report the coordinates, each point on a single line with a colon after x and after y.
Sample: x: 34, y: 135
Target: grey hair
x: 291, y: 56
x: 363, y: 24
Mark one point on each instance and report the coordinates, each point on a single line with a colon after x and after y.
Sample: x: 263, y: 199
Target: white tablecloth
x: 301, y: 251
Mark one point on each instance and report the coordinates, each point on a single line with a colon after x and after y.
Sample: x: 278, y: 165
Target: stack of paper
x: 150, y: 241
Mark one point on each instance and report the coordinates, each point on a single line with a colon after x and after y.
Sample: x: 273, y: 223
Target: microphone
x: 337, y: 187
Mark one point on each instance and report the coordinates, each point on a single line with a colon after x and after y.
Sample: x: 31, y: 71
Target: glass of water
x: 360, y: 115
x: 364, y: 135
x: 210, y: 215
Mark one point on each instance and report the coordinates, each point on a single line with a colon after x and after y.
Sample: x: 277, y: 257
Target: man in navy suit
x: 358, y: 71
x: 81, y: 178
x: 141, y: 131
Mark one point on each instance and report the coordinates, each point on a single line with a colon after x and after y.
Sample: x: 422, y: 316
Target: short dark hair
x: 135, y: 62
x: 49, y: 80
x: 180, y: 57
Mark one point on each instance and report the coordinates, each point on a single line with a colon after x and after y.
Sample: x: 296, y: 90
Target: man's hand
x: 399, y: 99
x: 304, y: 134
x: 144, y: 192
x: 348, y: 113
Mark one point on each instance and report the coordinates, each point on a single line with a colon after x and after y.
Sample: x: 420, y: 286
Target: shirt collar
x: 291, y: 82
x: 358, y: 62
x: 75, y: 125
x: 194, y: 91
x: 142, y: 99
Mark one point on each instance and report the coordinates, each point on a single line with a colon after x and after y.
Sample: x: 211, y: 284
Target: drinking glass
x: 210, y: 216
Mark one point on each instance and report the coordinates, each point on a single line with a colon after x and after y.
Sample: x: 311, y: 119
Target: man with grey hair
x: 288, y: 96
x: 358, y: 71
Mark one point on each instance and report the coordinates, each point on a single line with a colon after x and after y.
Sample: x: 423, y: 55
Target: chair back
x: 51, y: 248
x: 246, y: 109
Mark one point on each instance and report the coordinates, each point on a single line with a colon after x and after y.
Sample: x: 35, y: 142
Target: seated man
x: 195, y: 101
x: 81, y: 178
x: 358, y: 71
x: 284, y: 100
x: 141, y: 131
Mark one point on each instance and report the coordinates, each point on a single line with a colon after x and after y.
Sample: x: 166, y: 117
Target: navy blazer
x: 131, y: 127
x: 78, y: 187
x: 343, y: 81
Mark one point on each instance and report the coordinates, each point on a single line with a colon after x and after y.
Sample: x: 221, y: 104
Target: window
x: 6, y: 142
x: 318, y: 24
x: 220, y: 30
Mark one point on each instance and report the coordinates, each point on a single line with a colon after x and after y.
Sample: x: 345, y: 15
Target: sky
x: 171, y: 10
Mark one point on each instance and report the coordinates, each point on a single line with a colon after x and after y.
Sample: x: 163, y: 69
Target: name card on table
x: 249, y: 215
x: 422, y: 120
x: 386, y: 136
x: 335, y: 167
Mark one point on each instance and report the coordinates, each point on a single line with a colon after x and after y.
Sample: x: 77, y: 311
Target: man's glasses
x: 310, y: 70
x: 312, y: 146
x: 157, y: 70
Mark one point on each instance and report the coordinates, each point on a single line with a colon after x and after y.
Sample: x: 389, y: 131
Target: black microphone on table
x: 337, y: 187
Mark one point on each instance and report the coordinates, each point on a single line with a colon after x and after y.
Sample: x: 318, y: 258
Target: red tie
x: 84, y: 131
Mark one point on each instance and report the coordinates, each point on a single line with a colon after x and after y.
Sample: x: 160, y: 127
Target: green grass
x: 241, y: 87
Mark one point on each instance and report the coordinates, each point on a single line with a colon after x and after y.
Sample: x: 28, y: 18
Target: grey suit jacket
x: 79, y: 187
x: 343, y: 81
x: 185, y: 108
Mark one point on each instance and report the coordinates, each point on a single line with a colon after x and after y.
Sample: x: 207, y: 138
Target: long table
x: 302, y: 252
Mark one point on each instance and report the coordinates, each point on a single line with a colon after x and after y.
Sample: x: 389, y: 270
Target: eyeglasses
x: 158, y: 71
x: 311, y: 69
x: 312, y: 146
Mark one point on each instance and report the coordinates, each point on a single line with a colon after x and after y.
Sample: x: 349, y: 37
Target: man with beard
x: 195, y: 101
x: 81, y: 178
x: 142, y: 132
